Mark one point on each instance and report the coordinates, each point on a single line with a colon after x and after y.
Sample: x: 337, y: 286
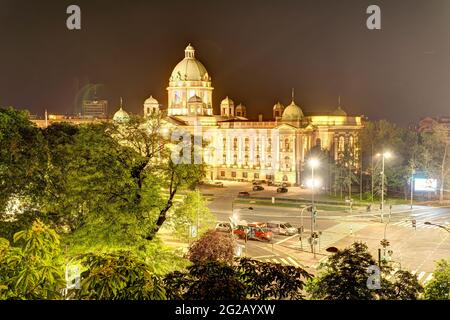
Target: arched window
x: 286, y: 144
x: 341, y: 144
x: 287, y: 162
x: 318, y: 143
x: 285, y: 178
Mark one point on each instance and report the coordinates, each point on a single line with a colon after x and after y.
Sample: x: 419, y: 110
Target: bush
x: 212, y: 246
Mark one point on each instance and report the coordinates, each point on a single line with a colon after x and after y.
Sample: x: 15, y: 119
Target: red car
x: 254, y: 232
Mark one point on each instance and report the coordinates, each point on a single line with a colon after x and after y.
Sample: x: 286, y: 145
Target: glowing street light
x: 313, y: 163
x: 384, y: 155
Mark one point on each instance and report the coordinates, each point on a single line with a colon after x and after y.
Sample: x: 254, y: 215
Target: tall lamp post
x: 313, y: 163
x: 413, y: 171
x: 384, y: 155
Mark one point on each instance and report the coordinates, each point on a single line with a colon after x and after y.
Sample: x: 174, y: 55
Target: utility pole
x: 412, y: 185
x: 371, y: 170
x: 382, y: 189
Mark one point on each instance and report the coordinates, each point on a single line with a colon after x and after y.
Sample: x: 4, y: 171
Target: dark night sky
x: 255, y: 51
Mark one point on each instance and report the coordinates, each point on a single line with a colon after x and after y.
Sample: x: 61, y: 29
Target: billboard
x: 421, y: 184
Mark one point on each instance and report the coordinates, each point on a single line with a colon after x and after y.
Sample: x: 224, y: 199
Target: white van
x: 278, y: 227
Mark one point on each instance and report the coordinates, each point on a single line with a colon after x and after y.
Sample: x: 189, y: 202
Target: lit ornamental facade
x: 242, y: 149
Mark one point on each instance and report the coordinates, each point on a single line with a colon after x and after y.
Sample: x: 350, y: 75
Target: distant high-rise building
x: 429, y: 124
x: 95, y: 109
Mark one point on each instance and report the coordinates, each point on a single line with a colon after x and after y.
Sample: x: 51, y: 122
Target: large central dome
x: 189, y: 69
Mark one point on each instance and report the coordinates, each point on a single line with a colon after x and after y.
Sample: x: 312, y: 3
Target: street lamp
x: 313, y: 163
x: 413, y: 171
x: 384, y: 155
x: 437, y: 225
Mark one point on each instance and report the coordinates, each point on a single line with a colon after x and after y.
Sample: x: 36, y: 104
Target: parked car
x: 282, y: 190
x: 223, y: 227
x: 253, y: 232
x: 278, y: 227
x: 244, y: 194
x: 218, y: 184
x: 258, y: 188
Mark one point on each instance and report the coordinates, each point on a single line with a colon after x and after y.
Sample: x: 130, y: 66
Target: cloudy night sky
x: 255, y: 52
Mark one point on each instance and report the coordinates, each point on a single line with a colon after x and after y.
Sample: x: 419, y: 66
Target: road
x: 414, y: 249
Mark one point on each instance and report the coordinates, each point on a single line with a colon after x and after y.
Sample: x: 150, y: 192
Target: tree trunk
x: 441, y: 195
x: 371, y: 172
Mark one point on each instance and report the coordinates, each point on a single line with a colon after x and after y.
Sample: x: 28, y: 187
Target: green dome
x: 292, y: 113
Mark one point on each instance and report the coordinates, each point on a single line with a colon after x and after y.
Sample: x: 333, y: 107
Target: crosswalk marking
x: 420, y: 275
x: 284, y: 261
x: 430, y: 276
x: 408, y: 224
x: 293, y: 262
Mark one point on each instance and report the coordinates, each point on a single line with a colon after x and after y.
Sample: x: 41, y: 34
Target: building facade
x: 95, y: 109
x: 242, y: 149
x: 239, y: 148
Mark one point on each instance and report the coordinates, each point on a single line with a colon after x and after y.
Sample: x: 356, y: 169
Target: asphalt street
x: 415, y: 249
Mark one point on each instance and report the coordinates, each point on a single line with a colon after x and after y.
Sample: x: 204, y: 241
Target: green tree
x: 433, y: 158
x: 439, y: 286
x: 191, y: 212
x: 245, y: 279
x: 34, y: 270
x: 344, y: 277
x: 381, y: 136
x: 22, y: 162
x: 117, y: 276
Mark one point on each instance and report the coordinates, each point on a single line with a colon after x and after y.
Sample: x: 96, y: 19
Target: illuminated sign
x: 421, y: 184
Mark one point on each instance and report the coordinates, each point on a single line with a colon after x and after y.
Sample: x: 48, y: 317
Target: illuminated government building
x: 243, y: 149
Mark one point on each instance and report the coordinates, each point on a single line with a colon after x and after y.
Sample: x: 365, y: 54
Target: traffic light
x: 384, y: 243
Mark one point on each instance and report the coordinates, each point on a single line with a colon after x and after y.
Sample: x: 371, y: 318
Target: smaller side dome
x: 151, y: 105
x: 339, y: 112
x: 278, y: 109
x: 151, y: 100
x: 121, y: 116
x: 227, y: 101
x: 241, y: 110
x: 227, y: 107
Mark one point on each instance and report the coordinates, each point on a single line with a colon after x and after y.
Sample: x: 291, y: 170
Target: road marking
x: 428, y: 278
x: 284, y: 261
x: 274, y: 260
x: 293, y: 262
x: 286, y: 239
x: 421, y: 275
x: 262, y: 257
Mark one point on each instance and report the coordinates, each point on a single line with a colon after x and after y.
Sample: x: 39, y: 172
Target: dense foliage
x: 345, y: 274
x: 439, y: 286
x: 245, y: 279
x: 212, y: 246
